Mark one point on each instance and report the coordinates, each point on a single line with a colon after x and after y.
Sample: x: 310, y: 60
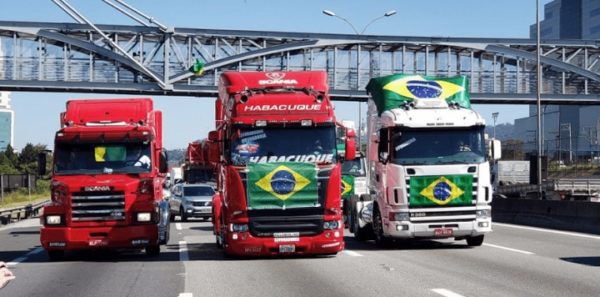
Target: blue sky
x: 187, y: 119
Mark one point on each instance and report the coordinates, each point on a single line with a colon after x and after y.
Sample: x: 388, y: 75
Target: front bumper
x: 198, y: 211
x: 405, y: 229
x: 244, y: 244
x: 67, y: 238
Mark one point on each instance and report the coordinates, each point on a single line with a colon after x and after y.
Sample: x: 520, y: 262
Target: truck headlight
x: 238, y: 227
x: 53, y: 220
x: 483, y: 213
x: 143, y: 217
x: 399, y: 216
x: 331, y: 225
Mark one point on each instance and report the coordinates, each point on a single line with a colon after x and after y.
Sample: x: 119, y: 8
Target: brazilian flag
x: 347, y: 186
x: 391, y: 91
x: 448, y: 190
x: 282, y: 185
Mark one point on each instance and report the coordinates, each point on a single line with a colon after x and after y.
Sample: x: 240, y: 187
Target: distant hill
x: 503, y: 131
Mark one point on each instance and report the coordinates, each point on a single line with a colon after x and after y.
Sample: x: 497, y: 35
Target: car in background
x: 191, y: 201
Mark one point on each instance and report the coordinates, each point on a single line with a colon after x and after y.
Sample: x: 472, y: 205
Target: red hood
x: 116, y: 182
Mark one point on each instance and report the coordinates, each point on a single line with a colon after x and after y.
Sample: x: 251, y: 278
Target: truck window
x: 355, y: 167
x: 277, y: 144
x: 98, y: 158
x: 438, y: 146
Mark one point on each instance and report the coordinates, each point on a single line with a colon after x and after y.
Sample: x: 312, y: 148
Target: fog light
x: 143, y: 217
x: 53, y: 220
x: 189, y: 210
x: 327, y: 234
x: 305, y: 123
x: 402, y: 227
x: 234, y: 236
x: 483, y: 224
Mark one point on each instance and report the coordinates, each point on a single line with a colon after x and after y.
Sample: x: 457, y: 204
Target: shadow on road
x: 421, y: 244
x: 589, y: 261
x: 203, y: 228
x: 18, y: 233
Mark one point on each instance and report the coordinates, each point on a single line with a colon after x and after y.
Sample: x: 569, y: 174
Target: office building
x: 7, y: 122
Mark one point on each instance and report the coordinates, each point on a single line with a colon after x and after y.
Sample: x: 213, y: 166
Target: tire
x: 153, y: 250
x: 360, y: 234
x: 56, y: 255
x: 475, y: 240
x: 182, y: 215
x: 380, y: 239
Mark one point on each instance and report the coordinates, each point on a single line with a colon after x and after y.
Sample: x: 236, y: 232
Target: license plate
x: 443, y: 232
x: 205, y: 210
x: 287, y: 248
x: 98, y: 242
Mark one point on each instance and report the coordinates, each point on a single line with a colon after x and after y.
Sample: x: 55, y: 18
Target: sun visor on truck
x: 392, y: 91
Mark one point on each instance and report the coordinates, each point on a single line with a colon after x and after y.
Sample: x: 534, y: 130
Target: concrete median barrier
x: 579, y: 216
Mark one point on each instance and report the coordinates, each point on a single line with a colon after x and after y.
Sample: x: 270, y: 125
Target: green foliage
x: 23, y: 162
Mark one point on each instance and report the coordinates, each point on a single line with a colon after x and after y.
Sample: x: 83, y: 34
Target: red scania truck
x: 107, y: 179
x: 278, y: 169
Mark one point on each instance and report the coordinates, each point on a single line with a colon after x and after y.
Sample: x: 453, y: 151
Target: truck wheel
x: 182, y: 215
x: 153, y: 250
x: 380, y: 239
x: 360, y: 234
x: 475, y: 240
x: 56, y: 255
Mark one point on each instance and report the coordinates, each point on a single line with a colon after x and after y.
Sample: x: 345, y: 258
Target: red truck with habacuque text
x: 278, y: 169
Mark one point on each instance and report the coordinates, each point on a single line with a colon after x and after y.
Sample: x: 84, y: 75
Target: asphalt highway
x: 513, y: 261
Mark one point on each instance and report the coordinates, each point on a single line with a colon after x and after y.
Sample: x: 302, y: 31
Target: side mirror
x: 41, y: 163
x: 163, y: 162
x: 350, y: 144
x: 213, y: 136
x: 496, y: 150
x: 383, y: 157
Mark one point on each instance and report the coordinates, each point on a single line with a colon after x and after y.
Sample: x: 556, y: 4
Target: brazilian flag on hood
x: 391, y: 91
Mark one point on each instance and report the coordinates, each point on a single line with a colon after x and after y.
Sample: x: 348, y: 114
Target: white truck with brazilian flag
x: 429, y: 175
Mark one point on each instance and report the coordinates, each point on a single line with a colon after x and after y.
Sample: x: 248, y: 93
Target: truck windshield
x: 101, y: 158
x: 354, y: 167
x: 437, y: 146
x: 290, y: 144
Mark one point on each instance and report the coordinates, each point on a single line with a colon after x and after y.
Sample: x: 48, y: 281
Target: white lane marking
x: 352, y: 253
x: 183, y: 251
x: 548, y: 231
x: 24, y: 257
x: 508, y: 249
x: 178, y: 226
x: 446, y: 293
x: 185, y: 295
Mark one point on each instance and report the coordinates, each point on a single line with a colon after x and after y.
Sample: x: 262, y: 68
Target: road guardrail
x: 19, y: 213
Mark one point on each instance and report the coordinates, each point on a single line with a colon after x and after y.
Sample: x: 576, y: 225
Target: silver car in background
x: 191, y: 201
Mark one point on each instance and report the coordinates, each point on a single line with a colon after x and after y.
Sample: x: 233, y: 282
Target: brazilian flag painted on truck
x: 282, y: 185
x: 447, y: 190
x: 391, y: 91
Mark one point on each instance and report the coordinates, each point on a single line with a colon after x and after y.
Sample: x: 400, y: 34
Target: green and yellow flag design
x: 391, y: 91
x: 347, y: 186
x: 109, y: 153
x: 449, y: 190
x: 282, y: 185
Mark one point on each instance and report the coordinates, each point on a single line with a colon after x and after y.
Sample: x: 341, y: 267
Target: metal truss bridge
x: 66, y: 57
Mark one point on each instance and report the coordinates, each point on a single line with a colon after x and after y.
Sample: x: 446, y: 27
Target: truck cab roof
x: 431, y: 118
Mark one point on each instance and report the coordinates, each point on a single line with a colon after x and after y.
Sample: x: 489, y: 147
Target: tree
x: 11, y: 155
x: 28, y: 158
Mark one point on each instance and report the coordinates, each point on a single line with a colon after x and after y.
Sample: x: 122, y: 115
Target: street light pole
x: 333, y: 14
x: 539, y: 100
x: 495, y: 116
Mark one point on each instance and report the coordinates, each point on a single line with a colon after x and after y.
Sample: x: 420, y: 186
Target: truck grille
x: 98, y: 206
x: 202, y: 203
x: 305, y: 222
